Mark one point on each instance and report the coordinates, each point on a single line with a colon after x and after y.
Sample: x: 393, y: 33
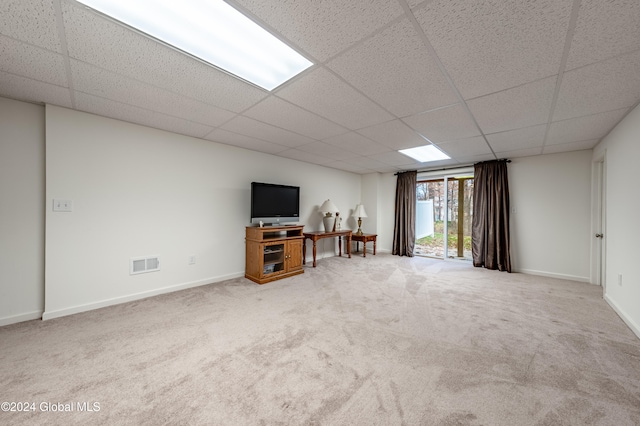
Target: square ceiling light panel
x: 213, y: 31
x: 425, y: 153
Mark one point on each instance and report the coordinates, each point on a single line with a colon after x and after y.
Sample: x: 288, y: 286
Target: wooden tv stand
x: 273, y: 252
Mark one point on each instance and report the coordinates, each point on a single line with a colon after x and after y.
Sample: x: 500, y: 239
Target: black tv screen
x: 274, y: 204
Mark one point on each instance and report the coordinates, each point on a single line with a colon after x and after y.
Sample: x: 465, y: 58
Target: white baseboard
x: 554, y: 275
x: 47, y: 315
x: 20, y: 318
x: 309, y: 258
x: 623, y: 315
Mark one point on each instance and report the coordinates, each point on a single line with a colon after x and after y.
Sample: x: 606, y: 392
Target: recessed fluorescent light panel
x: 425, y: 153
x: 213, y: 31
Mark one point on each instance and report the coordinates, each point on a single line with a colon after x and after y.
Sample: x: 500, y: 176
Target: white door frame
x: 445, y: 175
x: 598, y: 223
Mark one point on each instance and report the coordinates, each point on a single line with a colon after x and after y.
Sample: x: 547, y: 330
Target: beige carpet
x: 362, y: 341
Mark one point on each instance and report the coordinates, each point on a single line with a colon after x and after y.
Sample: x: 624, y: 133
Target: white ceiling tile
x: 525, y: 138
x: 465, y: 147
x: 433, y: 164
x: 145, y: 117
x: 105, y: 84
x: 605, y: 86
x: 393, y: 158
x: 307, y: 157
x: 242, y: 141
x: 323, y: 93
x: 444, y: 124
x: 253, y: 128
x: 146, y: 60
x: 324, y: 29
x: 604, y: 29
x: 394, y: 69
x: 356, y: 143
x: 526, y: 152
x: 368, y: 163
x: 327, y: 150
x: 349, y: 167
x: 394, y: 134
x: 31, y: 21
x: 567, y: 147
x: 584, y: 128
x: 291, y: 117
x: 491, y: 45
x: 388, y: 169
x: 521, y: 106
x: 32, y: 62
x: 472, y: 159
x: 25, y: 89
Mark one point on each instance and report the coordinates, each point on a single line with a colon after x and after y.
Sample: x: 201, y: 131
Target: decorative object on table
x: 328, y: 208
x: 336, y: 224
x: 359, y: 212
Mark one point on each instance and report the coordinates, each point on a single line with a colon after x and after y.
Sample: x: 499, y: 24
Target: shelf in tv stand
x: 267, y: 251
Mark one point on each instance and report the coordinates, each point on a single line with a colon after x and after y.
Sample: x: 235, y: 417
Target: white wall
x: 386, y: 210
x: 21, y: 211
x: 551, y: 225
x: 621, y: 150
x: 378, y: 196
x: 138, y: 191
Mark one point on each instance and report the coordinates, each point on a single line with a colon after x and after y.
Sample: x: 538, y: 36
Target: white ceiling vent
x: 140, y: 265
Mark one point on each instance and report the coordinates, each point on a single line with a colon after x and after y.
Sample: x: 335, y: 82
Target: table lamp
x: 359, y: 212
x: 328, y: 208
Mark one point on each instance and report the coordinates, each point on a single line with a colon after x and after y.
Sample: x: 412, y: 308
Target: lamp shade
x: 359, y: 211
x: 328, y: 207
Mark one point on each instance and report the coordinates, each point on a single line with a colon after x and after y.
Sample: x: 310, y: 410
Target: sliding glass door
x: 444, y: 211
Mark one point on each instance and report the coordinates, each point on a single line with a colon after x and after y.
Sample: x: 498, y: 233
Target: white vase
x: 329, y: 221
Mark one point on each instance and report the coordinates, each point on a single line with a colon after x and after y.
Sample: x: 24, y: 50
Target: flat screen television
x: 274, y: 204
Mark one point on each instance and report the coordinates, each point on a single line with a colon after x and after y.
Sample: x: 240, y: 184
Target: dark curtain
x: 490, y: 225
x: 404, y: 231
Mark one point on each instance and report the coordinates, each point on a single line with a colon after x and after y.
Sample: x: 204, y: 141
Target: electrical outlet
x: 620, y: 280
x: 62, y: 205
x: 192, y: 259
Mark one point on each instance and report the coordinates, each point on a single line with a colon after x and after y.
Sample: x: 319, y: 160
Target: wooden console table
x: 318, y: 235
x: 365, y: 238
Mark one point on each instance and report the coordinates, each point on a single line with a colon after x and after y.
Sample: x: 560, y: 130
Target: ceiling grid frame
x: 575, y: 10
x: 65, y: 51
x: 444, y: 71
x: 175, y: 92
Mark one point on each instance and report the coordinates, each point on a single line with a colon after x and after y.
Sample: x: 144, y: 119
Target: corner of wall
x: 626, y: 318
x: 22, y: 222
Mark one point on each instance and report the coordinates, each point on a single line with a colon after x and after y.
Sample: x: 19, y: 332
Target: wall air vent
x: 140, y: 265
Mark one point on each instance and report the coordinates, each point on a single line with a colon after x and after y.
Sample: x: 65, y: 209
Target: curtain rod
x: 452, y: 167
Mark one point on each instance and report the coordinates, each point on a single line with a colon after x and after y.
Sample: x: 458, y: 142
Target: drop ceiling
x: 481, y: 80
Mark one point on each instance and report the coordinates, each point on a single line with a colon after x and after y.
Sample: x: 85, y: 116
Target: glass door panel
x: 430, y: 213
x: 459, y: 210
x: 444, y: 209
